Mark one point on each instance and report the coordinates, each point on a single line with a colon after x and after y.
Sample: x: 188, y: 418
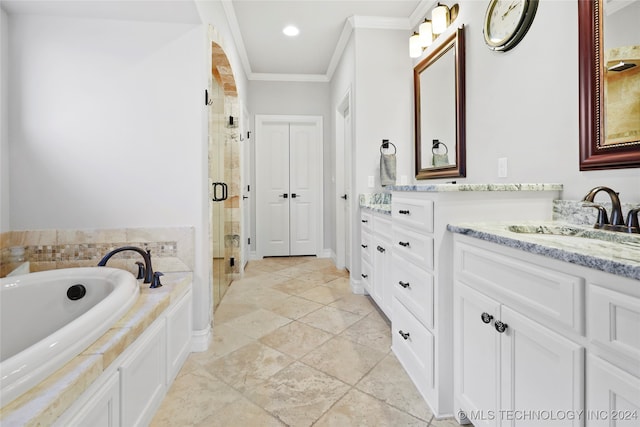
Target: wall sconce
x: 441, y: 17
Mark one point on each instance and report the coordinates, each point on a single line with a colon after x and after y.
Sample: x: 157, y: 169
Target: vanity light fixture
x: 426, y: 33
x: 441, y: 17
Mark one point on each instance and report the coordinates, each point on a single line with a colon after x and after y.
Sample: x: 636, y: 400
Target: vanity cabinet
x: 375, y: 244
x: 422, y: 280
x: 523, y: 348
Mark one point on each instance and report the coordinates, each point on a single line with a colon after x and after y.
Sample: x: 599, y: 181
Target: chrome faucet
x: 146, y: 255
x: 617, y: 222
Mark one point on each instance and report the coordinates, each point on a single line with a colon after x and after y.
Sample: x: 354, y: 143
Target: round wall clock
x: 507, y: 21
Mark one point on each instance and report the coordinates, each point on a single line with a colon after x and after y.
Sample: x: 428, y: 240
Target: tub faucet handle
x: 140, y: 270
x: 156, y: 280
x: 603, y: 219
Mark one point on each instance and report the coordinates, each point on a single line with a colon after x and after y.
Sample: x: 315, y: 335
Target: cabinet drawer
x: 382, y: 226
x: 614, y: 324
x: 549, y: 296
x: 417, y: 214
x: 367, y: 275
x: 365, y: 246
x: 366, y: 220
x: 413, y: 246
x: 413, y: 345
x: 413, y: 287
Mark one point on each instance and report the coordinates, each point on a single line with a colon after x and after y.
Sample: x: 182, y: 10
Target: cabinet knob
x: 365, y: 221
x: 364, y: 276
x: 381, y: 249
x: 404, y: 244
x: 486, y: 317
x: 403, y: 212
x: 403, y: 284
x: 500, y: 327
x: 404, y: 335
x: 364, y: 246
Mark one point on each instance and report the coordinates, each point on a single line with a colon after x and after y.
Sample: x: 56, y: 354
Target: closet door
x: 288, y: 172
x: 272, y: 164
x: 303, y: 188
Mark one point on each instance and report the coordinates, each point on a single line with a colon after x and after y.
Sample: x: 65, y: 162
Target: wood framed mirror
x: 609, y: 74
x: 439, y: 107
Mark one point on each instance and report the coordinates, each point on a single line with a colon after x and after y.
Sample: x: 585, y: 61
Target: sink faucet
x: 617, y: 221
x: 146, y: 255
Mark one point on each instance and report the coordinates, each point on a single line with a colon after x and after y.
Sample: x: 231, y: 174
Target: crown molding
x: 234, y: 27
x: 420, y: 12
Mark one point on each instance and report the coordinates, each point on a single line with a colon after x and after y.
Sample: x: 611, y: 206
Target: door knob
x: 294, y: 195
x: 284, y: 196
x: 245, y: 197
x: 344, y: 197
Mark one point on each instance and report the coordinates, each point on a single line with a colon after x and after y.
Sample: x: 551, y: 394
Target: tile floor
x: 292, y: 346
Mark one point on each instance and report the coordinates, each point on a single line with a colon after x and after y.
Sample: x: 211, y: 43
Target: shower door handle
x: 225, y: 191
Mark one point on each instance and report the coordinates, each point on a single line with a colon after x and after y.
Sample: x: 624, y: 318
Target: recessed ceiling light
x: 291, y: 31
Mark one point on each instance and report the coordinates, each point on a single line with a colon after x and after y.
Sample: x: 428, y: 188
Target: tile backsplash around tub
x: 172, y: 249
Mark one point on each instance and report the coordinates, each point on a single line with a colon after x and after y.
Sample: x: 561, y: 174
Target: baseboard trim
x: 200, y: 340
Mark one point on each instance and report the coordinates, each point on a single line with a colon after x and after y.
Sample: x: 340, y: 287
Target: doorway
x: 224, y: 176
x: 288, y: 185
x: 345, y: 202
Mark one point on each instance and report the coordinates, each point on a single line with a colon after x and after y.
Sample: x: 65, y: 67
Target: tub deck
x: 44, y: 403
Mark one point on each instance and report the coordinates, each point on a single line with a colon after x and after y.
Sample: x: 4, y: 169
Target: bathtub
x: 47, y: 318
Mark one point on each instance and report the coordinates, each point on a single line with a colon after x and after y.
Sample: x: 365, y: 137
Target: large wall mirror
x: 609, y: 49
x: 438, y: 83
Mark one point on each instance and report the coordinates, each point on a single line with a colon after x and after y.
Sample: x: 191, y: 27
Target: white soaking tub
x: 49, y: 317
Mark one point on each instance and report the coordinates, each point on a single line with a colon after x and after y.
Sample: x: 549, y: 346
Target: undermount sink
x: 569, y: 230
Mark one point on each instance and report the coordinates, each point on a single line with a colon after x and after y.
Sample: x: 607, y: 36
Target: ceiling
x: 256, y: 25
x: 312, y: 55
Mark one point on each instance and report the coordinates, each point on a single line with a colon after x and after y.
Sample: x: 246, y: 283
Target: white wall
x: 106, y: 128
x: 383, y: 103
x: 298, y: 98
x: 4, y: 121
x: 523, y: 105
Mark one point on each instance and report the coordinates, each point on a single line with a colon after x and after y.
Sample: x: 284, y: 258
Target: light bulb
x: 426, y: 33
x: 440, y: 18
x: 415, y: 49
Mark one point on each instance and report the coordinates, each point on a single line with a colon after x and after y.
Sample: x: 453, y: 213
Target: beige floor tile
x: 226, y: 339
x: 318, y: 264
x: 341, y: 284
x: 259, y: 298
x: 227, y: 311
x: 358, y: 304
x: 241, y: 413
x: 296, y: 339
x: 330, y: 319
x: 258, y: 323
x: 372, y: 331
x: 445, y: 422
x: 389, y: 382
x: 248, y: 366
x: 358, y: 409
x: 323, y: 294
x: 319, y: 276
x: 192, y: 398
x: 298, y: 394
x: 354, y: 362
x: 295, y: 307
x: 294, y: 286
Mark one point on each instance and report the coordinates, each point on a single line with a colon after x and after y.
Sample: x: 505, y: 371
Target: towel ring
x: 437, y: 144
x: 387, y: 147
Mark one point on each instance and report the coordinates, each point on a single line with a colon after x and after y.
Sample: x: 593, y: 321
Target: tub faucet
x: 617, y: 221
x: 146, y: 255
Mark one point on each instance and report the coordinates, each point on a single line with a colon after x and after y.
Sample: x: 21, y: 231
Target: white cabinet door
x: 476, y: 353
x: 381, y: 275
x: 542, y: 374
x: 613, y: 396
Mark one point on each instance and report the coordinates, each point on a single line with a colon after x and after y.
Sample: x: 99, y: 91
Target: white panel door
x: 288, y: 170
x: 303, y: 187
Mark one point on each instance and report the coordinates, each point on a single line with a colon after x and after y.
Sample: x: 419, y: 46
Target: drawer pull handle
x: 403, y: 284
x: 365, y: 220
x: 381, y: 249
x: 364, y: 246
x: 364, y: 276
x: 404, y: 335
x: 405, y: 244
x: 403, y: 212
x: 486, y: 317
x: 500, y: 327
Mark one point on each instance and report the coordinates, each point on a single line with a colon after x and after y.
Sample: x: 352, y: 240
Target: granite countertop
x: 475, y: 187
x: 376, y: 202
x: 612, y: 252
x: 44, y: 403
